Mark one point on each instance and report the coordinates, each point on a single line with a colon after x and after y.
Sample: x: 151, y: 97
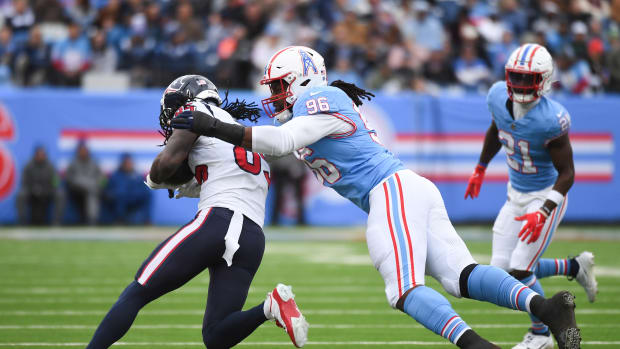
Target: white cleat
x: 585, y: 276
x: 280, y: 304
x: 535, y: 341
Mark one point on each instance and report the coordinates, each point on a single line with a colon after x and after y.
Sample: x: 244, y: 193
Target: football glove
x: 207, y: 125
x: 534, y: 222
x: 475, y: 182
x: 190, y: 189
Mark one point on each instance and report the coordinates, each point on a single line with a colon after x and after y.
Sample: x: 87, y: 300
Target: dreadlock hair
x: 239, y: 110
x: 354, y: 92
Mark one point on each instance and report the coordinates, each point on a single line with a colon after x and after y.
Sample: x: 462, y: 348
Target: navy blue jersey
x: 525, y: 140
x: 352, y: 163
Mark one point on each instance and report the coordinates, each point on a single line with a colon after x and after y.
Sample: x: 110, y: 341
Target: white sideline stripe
x: 328, y: 326
x: 171, y: 245
x: 311, y: 312
x: 200, y: 344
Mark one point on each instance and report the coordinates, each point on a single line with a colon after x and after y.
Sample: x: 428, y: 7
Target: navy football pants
x: 195, y: 247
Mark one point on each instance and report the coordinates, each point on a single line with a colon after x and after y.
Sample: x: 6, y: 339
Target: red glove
x: 475, y: 182
x: 533, y: 226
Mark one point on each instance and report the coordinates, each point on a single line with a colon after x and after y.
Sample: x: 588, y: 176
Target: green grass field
x: 56, y: 288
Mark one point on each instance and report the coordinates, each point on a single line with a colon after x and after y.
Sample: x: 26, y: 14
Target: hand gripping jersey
x: 230, y: 176
x: 352, y: 163
x: 525, y: 140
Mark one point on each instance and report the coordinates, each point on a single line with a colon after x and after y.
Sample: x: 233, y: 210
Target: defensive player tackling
x: 534, y: 132
x: 408, y: 232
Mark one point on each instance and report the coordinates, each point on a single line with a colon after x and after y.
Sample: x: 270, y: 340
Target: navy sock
x: 573, y: 268
x: 538, y: 327
x: 494, y: 285
x: 433, y: 310
x: 233, y: 328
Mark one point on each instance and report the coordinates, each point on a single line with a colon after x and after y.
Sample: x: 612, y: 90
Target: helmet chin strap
x: 519, y: 109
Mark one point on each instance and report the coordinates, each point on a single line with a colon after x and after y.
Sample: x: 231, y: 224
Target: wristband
x: 152, y: 185
x: 555, y: 196
x: 545, y: 211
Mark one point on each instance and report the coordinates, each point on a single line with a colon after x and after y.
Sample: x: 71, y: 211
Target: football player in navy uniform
x: 408, y: 232
x: 225, y: 237
x: 533, y: 129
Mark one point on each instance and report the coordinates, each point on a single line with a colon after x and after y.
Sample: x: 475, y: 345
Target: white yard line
x: 202, y: 290
x: 309, y: 312
x: 322, y: 326
x: 200, y: 344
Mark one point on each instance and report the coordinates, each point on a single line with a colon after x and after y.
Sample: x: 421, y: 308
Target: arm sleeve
x: 295, y: 134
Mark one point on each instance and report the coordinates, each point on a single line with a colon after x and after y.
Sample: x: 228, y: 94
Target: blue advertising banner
x: 439, y: 137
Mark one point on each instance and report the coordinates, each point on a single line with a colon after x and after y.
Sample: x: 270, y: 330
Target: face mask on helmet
x: 523, y: 86
x: 276, y: 105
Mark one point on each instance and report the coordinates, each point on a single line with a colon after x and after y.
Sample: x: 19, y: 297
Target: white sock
x: 267, y: 307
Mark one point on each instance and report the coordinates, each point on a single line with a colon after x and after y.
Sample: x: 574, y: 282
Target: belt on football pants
x: 231, y: 240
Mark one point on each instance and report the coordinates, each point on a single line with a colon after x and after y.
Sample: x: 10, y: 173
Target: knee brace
x: 464, y: 278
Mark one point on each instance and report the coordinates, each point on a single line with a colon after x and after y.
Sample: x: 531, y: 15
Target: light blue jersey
x: 352, y: 163
x: 525, y: 140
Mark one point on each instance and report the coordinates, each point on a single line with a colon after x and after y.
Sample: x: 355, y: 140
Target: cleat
x: 585, y: 275
x: 558, y: 313
x: 535, y: 341
x: 281, y: 307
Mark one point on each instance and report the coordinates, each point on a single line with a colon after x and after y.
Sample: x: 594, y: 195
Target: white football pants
x: 409, y: 234
x: 509, y: 252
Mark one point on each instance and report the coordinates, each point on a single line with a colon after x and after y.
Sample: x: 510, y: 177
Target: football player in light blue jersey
x: 408, y: 233
x: 533, y: 129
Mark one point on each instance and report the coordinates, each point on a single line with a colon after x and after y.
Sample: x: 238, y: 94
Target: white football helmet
x: 289, y: 73
x: 528, y: 73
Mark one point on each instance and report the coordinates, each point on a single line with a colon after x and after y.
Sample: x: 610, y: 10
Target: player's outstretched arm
x: 270, y: 140
x: 561, y: 154
x: 490, y: 147
x: 207, y: 125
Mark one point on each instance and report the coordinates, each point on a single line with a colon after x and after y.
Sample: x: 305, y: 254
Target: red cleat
x: 280, y: 303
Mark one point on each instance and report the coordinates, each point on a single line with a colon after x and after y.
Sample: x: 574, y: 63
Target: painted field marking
x: 326, y: 326
x: 200, y: 344
x: 310, y: 312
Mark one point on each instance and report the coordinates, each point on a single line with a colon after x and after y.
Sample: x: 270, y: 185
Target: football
x: 182, y: 175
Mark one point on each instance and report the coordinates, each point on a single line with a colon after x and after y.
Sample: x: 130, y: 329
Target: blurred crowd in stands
x: 388, y: 45
x: 83, y: 194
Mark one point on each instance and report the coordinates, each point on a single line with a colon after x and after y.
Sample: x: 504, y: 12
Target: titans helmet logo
x: 307, y: 63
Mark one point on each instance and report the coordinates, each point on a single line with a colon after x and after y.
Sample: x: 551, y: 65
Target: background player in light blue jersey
x: 409, y: 233
x: 534, y: 132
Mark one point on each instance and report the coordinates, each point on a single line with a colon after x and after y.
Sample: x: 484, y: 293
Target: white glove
x: 190, y: 189
x: 152, y: 185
